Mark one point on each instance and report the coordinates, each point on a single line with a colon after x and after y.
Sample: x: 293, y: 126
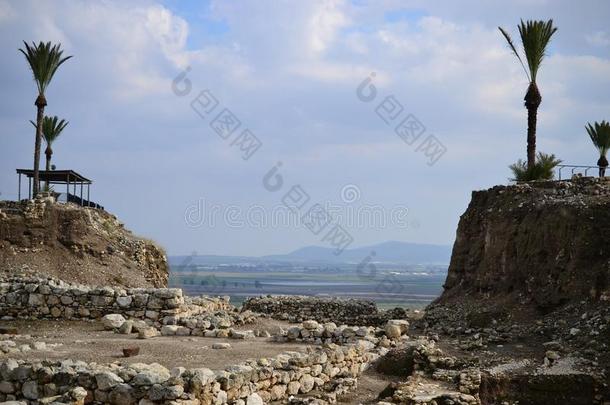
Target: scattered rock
x: 147, y: 333
x: 310, y: 324
x: 113, y: 321
x: 126, y: 327
x: 131, y: 351
x: 393, y: 331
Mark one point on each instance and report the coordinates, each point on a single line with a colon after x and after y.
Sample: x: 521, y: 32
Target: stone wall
x: 251, y: 382
x: 312, y: 332
x: 341, y: 311
x: 36, y: 298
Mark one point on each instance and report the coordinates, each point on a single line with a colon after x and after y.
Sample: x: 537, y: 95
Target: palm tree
x: 543, y: 169
x: 51, y: 129
x: 44, y: 60
x: 600, y: 135
x: 535, y: 37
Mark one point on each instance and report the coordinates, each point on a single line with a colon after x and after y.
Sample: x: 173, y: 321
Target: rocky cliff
x: 83, y: 245
x: 527, y: 293
x: 546, y: 243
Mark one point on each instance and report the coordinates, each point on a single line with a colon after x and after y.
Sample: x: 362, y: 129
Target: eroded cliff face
x: 546, y: 243
x: 77, y: 244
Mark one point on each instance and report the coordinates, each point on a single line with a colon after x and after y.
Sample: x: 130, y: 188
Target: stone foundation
x: 327, y: 368
x: 271, y: 379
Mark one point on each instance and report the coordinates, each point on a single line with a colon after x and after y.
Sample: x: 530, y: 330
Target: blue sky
x: 289, y: 70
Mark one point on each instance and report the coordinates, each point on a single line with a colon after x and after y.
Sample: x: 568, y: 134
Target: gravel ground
x: 88, y: 341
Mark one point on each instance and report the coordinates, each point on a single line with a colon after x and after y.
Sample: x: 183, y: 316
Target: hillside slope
x: 77, y: 244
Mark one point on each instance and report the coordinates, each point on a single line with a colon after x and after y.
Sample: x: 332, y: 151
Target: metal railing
x: 574, y: 168
x: 77, y: 200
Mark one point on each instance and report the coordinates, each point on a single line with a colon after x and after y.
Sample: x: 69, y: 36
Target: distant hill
x: 389, y: 252
x: 394, y: 252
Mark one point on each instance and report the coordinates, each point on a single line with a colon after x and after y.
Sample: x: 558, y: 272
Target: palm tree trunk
x: 40, y: 104
x: 48, y: 165
x: 48, y: 153
x: 532, y: 102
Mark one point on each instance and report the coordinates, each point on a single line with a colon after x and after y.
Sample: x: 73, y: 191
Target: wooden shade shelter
x: 61, y: 177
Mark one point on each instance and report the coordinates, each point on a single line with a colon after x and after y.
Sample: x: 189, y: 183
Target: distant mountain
x: 393, y: 252
x: 389, y: 252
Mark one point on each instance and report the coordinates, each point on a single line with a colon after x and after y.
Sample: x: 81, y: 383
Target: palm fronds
x: 543, y: 169
x: 600, y: 135
x: 514, y: 49
x: 535, y: 37
x: 44, y: 60
x: 51, y: 128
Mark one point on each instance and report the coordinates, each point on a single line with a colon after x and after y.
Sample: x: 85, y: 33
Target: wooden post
x: 88, y: 198
x: 81, y: 194
x: 67, y: 187
x: 19, y: 192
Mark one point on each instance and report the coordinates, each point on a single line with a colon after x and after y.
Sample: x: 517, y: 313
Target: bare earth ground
x: 88, y: 341
x: 60, y: 262
x: 370, y: 384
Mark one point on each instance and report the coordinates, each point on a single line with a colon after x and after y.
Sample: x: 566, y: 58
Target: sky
x: 217, y: 127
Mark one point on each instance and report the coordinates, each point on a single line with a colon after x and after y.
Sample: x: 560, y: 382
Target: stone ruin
x: 301, y: 308
x: 254, y: 382
x: 338, y: 355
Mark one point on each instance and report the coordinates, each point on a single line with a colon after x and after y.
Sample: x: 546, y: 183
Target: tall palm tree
x: 535, y: 37
x: 51, y: 129
x: 44, y: 60
x: 600, y: 135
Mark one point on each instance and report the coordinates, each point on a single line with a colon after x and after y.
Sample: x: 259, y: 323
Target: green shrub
x: 544, y: 169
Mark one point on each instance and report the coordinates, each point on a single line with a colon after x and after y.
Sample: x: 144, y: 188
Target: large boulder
x: 393, y: 331
x: 397, y: 361
x: 107, y: 380
x: 113, y: 321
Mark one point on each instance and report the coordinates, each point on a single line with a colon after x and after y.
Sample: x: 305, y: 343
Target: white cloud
x: 334, y: 72
x: 6, y: 11
x: 170, y: 33
x: 128, y: 48
x: 289, y: 70
x: 326, y: 20
x: 599, y: 38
